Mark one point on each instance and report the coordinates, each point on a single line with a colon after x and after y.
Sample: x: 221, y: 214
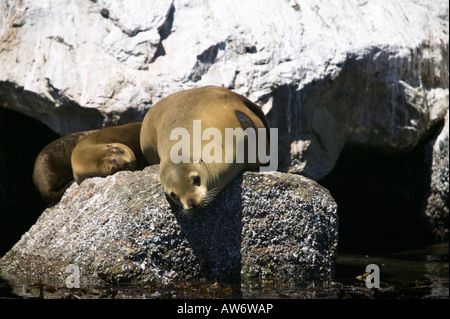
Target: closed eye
x: 196, y: 180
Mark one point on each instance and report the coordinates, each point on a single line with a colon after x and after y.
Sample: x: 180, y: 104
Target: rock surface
x: 327, y: 75
x: 276, y: 226
x: 437, y: 208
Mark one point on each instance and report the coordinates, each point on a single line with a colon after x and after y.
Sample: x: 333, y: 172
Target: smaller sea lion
x: 107, y: 151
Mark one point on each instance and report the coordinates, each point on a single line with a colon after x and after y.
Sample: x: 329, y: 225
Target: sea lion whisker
x: 211, y: 194
x: 184, y: 213
x: 209, y: 197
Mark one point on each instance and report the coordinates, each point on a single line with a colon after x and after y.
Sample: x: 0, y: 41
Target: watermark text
x: 212, y: 151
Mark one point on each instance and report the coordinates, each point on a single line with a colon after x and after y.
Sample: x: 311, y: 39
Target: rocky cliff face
x: 437, y: 203
x: 327, y: 75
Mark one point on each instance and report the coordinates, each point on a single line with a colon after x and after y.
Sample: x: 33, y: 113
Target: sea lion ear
x: 198, y: 161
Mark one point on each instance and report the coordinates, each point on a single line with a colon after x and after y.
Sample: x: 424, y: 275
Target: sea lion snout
x: 191, y: 203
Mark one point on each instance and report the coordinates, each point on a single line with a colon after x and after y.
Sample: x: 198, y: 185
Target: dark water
x: 412, y: 274
x: 421, y: 273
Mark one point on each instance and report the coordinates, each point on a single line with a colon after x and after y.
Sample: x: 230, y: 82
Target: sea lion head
x: 186, y: 184
x: 116, y: 157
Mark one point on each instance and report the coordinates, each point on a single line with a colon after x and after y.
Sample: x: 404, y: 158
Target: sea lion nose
x: 191, y: 203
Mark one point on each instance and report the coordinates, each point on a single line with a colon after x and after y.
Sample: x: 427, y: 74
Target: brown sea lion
x: 52, y: 172
x: 107, y: 151
x: 205, y: 166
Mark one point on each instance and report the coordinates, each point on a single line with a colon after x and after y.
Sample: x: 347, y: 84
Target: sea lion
x: 194, y: 182
x: 52, y: 173
x: 107, y: 151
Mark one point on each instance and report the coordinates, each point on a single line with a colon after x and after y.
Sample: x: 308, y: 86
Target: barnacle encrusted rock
x: 265, y: 226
